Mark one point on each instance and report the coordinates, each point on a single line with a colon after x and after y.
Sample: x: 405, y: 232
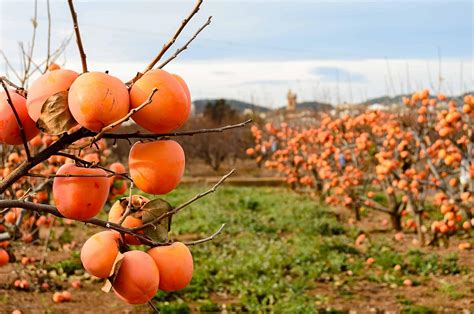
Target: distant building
x: 377, y: 106
x: 291, y: 97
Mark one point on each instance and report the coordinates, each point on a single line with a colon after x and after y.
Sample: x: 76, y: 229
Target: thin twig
x: 128, y: 210
x: 18, y: 121
x: 138, y: 135
x: 210, y: 238
x: 46, y: 241
x: 111, y: 126
x: 170, y: 42
x: 185, y: 46
x: 93, y: 165
x: 153, y: 307
x: 48, y: 55
x: 187, y: 203
x: 78, y: 36
x: 6, y: 80
x: 48, y: 176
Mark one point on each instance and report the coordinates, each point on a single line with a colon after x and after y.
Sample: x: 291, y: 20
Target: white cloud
x: 267, y: 83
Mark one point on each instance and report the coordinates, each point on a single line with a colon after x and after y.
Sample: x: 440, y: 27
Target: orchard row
x: 402, y: 163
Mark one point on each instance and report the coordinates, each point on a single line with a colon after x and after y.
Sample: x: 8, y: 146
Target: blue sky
x: 338, y: 41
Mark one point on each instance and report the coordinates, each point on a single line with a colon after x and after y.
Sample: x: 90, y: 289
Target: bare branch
x: 18, y: 121
x: 212, y: 237
x: 187, y: 203
x: 138, y: 135
x: 43, y: 208
x: 78, y: 36
x: 93, y: 165
x: 170, y: 42
x: 10, y: 66
x: 178, y: 51
x: 48, y: 54
x: 6, y: 80
x: 43, y: 155
x: 111, y: 126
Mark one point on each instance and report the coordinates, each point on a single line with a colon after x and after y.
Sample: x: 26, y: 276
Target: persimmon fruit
x: 97, y: 99
x: 48, y: 84
x: 9, y: 131
x: 170, y: 106
x: 156, y: 167
x: 175, y: 263
x: 99, y: 253
x: 80, y: 198
x: 137, y: 279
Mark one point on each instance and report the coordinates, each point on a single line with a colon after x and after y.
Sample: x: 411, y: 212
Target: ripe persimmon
x: 9, y: 130
x: 45, y: 86
x: 156, y: 167
x: 4, y: 257
x: 99, y: 253
x: 170, y: 106
x: 137, y: 279
x: 80, y: 198
x: 175, y: 263
x: 116, y: 167
x: 97, y: 99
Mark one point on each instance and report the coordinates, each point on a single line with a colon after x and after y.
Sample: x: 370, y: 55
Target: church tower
x: 291, y: 97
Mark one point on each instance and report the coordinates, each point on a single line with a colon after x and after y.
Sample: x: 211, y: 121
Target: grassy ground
x: 279, y: 248
x: 282, y: 252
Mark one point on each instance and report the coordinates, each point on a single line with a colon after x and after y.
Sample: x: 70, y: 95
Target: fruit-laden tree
x: 54, y: 154
x: 401, y: 163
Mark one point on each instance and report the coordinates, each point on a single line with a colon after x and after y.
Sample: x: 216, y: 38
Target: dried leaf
x: 107, y: 286
x: 55, y: 118
x: 154, y: 209
x: 113, y: 273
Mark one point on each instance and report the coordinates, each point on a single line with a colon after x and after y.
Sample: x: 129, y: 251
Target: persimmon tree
x: 399, y: 163
x: 54, y: 132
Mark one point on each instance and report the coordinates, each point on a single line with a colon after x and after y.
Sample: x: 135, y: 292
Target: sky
x: 333, y: 51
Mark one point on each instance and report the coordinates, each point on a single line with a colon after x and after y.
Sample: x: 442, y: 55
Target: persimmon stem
x: 128, y: 209
x: 78, y: 36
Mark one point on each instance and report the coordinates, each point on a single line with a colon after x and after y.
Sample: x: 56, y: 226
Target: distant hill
x: 237, y: 105
x: 387, y: 100
x: 311, y: 105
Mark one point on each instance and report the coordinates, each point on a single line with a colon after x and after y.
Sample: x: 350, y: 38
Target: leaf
x: 152, y: 210
x: 55, y: 118
x: 113, y: 273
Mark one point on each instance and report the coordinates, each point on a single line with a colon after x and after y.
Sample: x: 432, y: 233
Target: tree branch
x: 212, y: 237
x: 156, y: 136
x: 27, y: 165
x: 177, y: 52
x: 169, y: 43
x: 43, y: 208
x: 78, y: 36
x: 179, y: 207
x: 110, y: 127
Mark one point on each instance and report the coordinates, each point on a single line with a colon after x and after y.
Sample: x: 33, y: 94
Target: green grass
x: 276, y: 247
